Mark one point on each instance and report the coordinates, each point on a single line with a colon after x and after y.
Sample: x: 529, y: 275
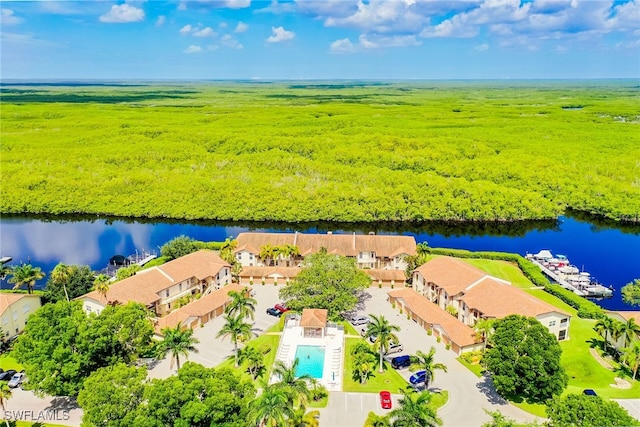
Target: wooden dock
x: 559, y: 280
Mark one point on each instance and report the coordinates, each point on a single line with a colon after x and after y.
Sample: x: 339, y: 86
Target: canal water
x: 609, y: 252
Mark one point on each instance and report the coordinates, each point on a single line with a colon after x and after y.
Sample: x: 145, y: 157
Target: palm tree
x: 484, y: 331
x: 268, y: 252
x: 632, y: 357
x: 178, y: 342
x: 380, y: 328
x: 226, y: 249
x: 5, y: 394
x: 616, y: 332
x: 101, y: 285
x: 60, y: 274
x: 302, y: 418
x: 375, y: 420
x: 237, y: 330
x: 291, y: 252
x: 254, y: 358
x: 5, y: 270
x: 241, y: 304
x: 25, y: 274
x: 604, y: 327
x: 629, y: 329
x: 271, y: 408
x: 426, y: 362
x: 414, y: 411
x: 296, y: 386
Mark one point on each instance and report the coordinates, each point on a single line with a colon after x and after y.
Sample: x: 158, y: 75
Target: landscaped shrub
x: 586, y: 309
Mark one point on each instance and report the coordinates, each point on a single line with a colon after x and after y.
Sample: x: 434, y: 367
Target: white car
x: 359, y: 320
x: 16, y: 380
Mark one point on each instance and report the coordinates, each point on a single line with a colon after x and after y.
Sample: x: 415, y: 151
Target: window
x: 180, y: 287
x: 552, y: 323
x: 250, y: 256
x: 218, y: 276
x: 88, y: 309
x: 15, y: 316
x: 166, y: 292
x: 26, y: 308
x: 373, y: 254
x: 563, y: 321
x: 238, y: 256
x: 169, y: 306
x: 562, y: 334
x: 5, y: 320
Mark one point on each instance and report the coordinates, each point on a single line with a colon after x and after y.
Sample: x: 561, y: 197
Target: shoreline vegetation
x: 344, y: 152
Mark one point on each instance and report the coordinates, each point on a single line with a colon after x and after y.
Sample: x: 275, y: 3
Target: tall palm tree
x: 5, y: 394
x: 375, y: 420
x: 426, y: 362
x: 484, y: 330
x: 271, y: 408
x: 630, y: 330
x: 302, y: 418
x: 604, y: 327
x: 237, y: 330
x: 178, y: 342
x: 414, y: 411
x: 380, y: 328
x: 60, y: 274
x: 254, y: 359
x: 632, y: 357
x: 616, y: 332
x: 101, y: 285
x: 296, y: 386
x: 241, y: 304
x: 267, y: 253
x: 291, y: 252
x: 25, y: 275
x: 226, y: 249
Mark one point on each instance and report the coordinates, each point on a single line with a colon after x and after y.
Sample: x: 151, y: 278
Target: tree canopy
x: 328, y: 281
x: 61, y: 345
x: 67, y: 282
x: 178, y: 247
x: 525, y: 360
x: 631, y: 293
x: 575, y: 410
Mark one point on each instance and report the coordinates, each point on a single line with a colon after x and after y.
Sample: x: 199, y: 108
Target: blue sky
x: 326, y: 39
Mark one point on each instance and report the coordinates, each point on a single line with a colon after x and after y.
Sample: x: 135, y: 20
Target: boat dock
x: 117, y: 262
x: 556, y: 278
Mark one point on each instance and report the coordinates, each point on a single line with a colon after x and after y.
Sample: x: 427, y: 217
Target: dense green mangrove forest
x: 357, y: 152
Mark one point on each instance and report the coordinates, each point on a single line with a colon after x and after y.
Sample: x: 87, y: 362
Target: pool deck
x: 292, y: 337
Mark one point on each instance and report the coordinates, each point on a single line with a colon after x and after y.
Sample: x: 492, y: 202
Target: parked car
x: 16, y: 380
x: 274, y: 312
x: 359, y: 320
x: 589, y: 392
x: 394, y: 348
x: 282, y: 307
x: 401, y: 362
x: 418, y: 377
x: 385, y: 400
x: 6, y: 375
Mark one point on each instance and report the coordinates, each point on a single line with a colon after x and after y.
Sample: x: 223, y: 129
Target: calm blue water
x: 611, y: 255
x: 310, y: 361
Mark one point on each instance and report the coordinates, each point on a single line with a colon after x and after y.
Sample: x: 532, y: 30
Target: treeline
x: 586, y: 309
x: 351, y: 154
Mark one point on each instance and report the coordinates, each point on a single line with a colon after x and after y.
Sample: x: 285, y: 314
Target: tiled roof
x: 386, y: 275
x: 145, y: 285
x: 461, y: 334
x: 495, y: 299
x: 630, y: 315
x: 6, y: 299
x: 343, y: 244
x: 259, y: 272
x: 313, y: 318
x: 200, y: 307
x: 450, y: 274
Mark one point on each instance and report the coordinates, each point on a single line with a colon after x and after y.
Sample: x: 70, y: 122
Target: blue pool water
x: 311, y: 360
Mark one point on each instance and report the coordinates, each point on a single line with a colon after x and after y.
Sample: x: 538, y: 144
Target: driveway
x: 211, y: 350
x: 469, y: 395
x: 25, y: 406
x: 631, y: 405
x: 351, y: 409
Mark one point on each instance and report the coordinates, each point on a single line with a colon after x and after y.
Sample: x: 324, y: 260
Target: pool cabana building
x: 313, y: 322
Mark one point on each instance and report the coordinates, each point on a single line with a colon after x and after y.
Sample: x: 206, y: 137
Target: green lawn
x: 7, y: 362
x: 501, y: 269
x: 349, y: 329
x: 389, y: 380
x: 262, y: 341
x: 322, y: 403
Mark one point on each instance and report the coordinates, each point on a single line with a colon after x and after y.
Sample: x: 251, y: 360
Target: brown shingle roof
x: 386, y: 275
x: 145, y: 285
x: 313, y: 318
x: 259, y: 272
x: 627, y: 315
x: 200, y: 307
x: 450, y: 274
x: 495, y: 299
x: 461, y: 334
x: 343, y: 244
x: 6, y: 299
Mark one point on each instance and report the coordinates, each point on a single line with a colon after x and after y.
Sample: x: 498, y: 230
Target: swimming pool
x: 311, y: 360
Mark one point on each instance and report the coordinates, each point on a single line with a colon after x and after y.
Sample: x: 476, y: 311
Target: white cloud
x: 186, y: 29
x: 160, y: 21
x: 372, y: 41
x: 237, y: 4
x: 8, y: 18
x: 193, y: 49
x: 382, y: 16
x: 123, y: 13
x: 342, y: 46
x: 204, y: 32
x: 241, y: 27
x: 481, y: 47
x: 223, y: 25
x: 279, y: 34
x: 228, y: 41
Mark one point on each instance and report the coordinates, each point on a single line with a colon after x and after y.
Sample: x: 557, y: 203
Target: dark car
x: 589, y: 392
x: 418, y: 377
x: 274, y: 312
x: 401, y: 362
x: 6, y: 375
